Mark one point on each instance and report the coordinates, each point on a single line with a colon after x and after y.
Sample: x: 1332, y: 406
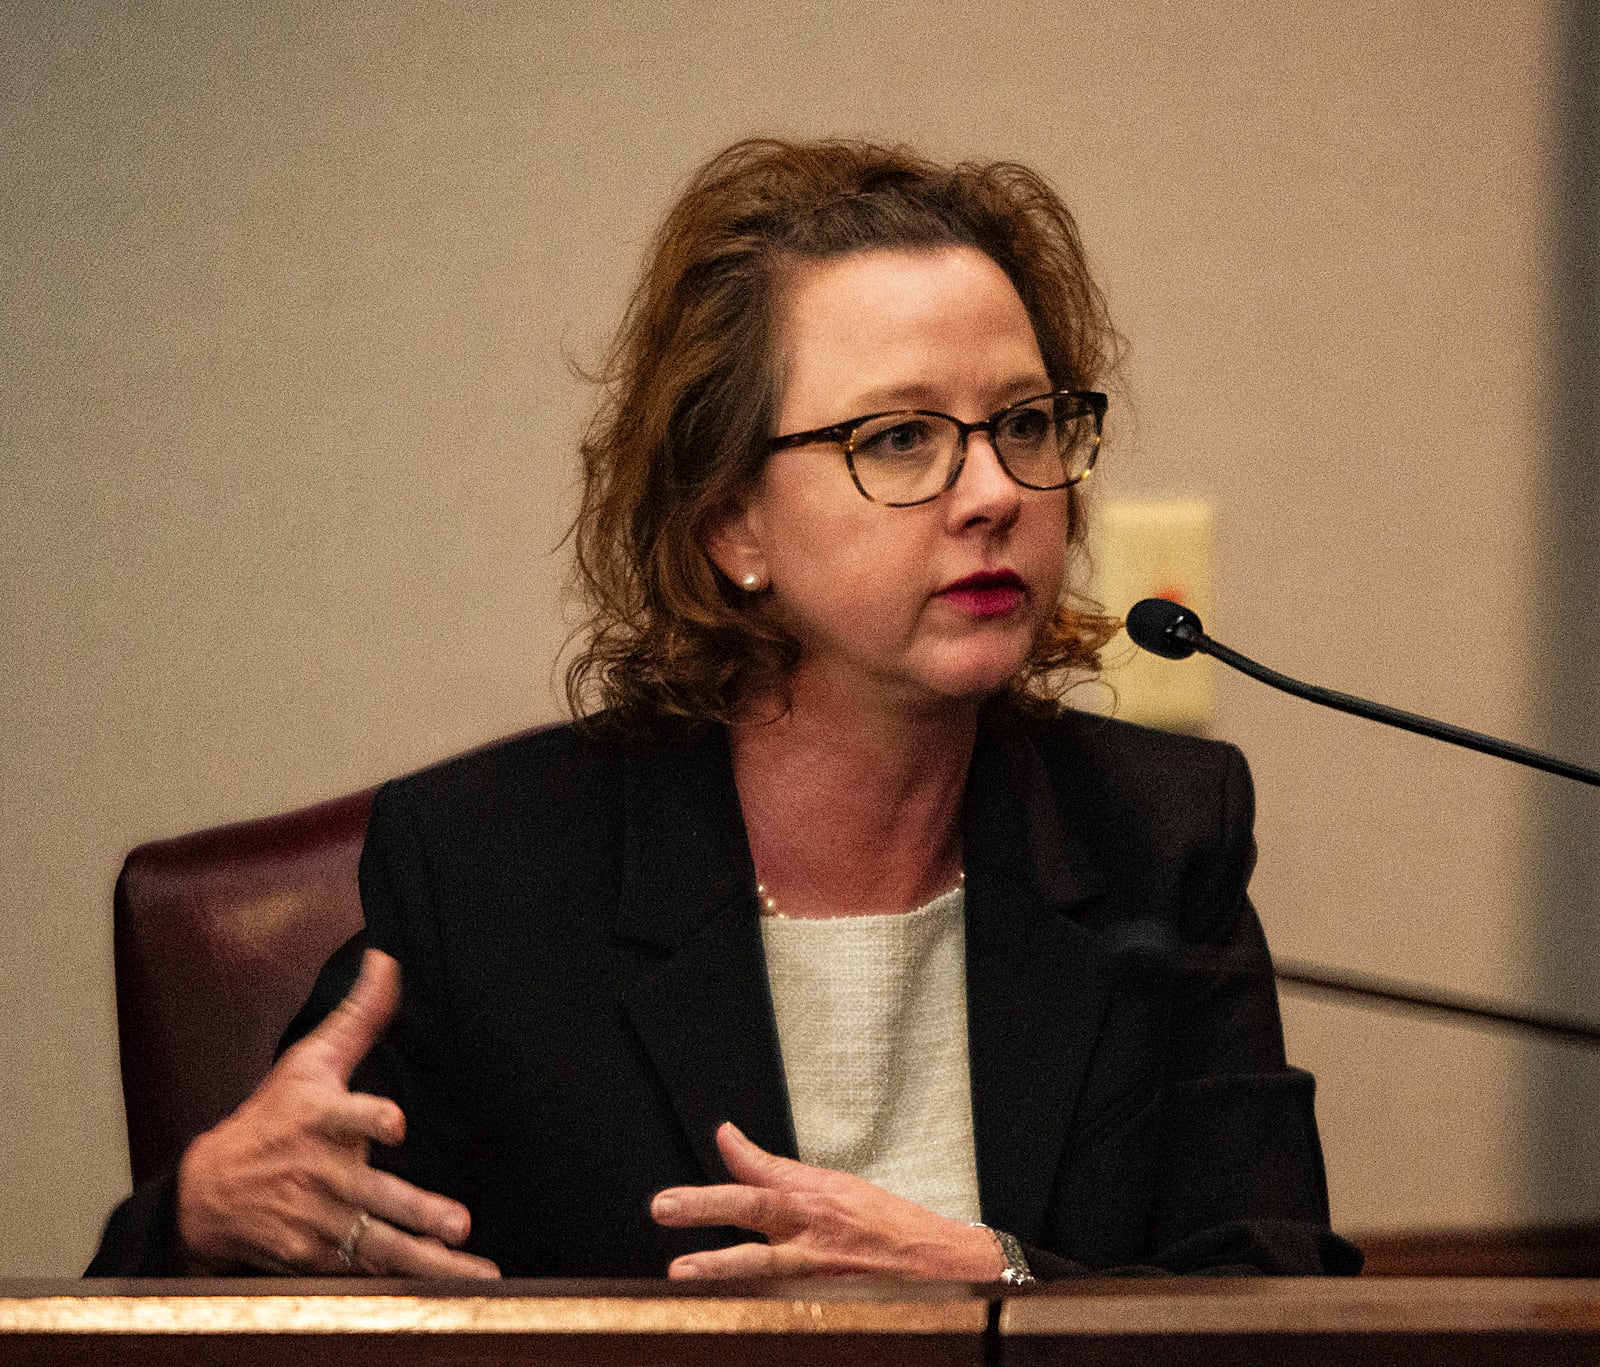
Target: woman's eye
x: 899, y: 440
x: 1027, y: 425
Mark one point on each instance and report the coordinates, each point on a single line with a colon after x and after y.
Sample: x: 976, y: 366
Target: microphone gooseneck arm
x: 1173, y: 631
x: 1314, y: 978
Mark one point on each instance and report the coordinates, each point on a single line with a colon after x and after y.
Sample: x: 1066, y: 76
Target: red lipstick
x: 989, y: 593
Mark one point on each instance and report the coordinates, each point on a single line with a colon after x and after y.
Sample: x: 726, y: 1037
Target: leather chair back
x: 219, y: 936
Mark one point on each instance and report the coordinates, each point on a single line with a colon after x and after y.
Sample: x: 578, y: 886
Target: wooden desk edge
x: 1311, y: 1305
x: 174, y: 1307
x: 1179, y: 1306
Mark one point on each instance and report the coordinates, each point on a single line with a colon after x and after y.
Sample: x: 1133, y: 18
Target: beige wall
x: 290, y: 294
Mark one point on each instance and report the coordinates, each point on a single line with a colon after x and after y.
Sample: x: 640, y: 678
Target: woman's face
x: 925, y: 604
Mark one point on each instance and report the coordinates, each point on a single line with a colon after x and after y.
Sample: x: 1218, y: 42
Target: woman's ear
x: 734, y: 545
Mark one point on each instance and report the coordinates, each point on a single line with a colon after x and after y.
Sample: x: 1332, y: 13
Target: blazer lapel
x: 701, y: 1007
x: 1038, y: 981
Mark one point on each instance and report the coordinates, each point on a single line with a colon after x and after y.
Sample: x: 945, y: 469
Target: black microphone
x: 1175, y: 632
x: 1165, y: 628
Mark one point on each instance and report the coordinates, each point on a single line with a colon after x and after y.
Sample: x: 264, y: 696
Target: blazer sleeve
x: 416, y: 1062
x: 1241, y: 1183
x: 1238, y: 1184
x: 141, y: 1236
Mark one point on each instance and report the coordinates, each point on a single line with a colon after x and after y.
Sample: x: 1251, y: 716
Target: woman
x: 830, y: 935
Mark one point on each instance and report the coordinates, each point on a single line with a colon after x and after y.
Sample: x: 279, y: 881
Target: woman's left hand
x: 819, y: 1222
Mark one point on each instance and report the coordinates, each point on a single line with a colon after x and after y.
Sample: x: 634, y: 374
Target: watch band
x: 1017, y: 1271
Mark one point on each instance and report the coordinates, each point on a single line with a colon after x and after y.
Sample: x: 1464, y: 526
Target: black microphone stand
x: 1406, y: 721
x: 1316, y: 979
x: 1174, y: 632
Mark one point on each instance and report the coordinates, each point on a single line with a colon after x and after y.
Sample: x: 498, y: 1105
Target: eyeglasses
x: 911, y: 455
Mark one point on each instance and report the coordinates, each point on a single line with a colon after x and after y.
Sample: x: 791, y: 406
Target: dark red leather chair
x: 219, y: 936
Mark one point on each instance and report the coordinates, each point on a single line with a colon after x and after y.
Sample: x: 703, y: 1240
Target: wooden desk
x: 1416, y: 1322
x: 1306, y: 1322
x: 336, y: 1323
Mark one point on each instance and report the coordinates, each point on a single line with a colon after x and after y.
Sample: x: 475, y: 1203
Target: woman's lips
x: 989, y: 594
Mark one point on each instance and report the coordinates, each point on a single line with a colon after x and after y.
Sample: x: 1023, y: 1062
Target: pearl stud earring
x: 750, y: 582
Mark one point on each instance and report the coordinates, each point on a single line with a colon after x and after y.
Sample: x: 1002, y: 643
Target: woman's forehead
x: 896, y: 327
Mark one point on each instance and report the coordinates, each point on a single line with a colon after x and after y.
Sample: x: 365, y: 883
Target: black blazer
x: 584, y: 1000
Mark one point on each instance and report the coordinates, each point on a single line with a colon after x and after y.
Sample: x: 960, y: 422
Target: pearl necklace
x: 769, y: 903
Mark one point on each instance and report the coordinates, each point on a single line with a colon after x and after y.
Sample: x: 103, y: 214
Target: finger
x: 766, y: 1212
x: 388, y: 1252
x: 312, y: 1242
x: 302, y: 1235
x: 749, y: 1163
x: 313, y: 1247
x: 408, y: 1207
x: 347, y: 1034
x: 755, y: 1260
x: 742, y: 1260
x: 358, y: 1116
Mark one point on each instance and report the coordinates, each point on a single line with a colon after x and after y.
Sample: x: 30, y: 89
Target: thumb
x: 751, y: 1164
x: 349, y: 1031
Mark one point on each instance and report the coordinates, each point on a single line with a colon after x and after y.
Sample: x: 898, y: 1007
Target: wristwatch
x: 1017, y: 1272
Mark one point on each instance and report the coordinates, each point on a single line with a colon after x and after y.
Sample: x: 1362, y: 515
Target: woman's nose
x: 983, y: 491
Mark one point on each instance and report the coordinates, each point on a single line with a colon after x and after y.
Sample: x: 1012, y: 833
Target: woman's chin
x: 952, y: 674
x: 974, y: 676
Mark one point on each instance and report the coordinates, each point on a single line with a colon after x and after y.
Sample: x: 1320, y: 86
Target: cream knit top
x: 872, y: 1022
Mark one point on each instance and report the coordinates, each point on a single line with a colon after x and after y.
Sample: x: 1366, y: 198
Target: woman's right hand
x: 283, y: 1183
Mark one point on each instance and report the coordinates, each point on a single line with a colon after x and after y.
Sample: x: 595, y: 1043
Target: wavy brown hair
x: 690, y: 392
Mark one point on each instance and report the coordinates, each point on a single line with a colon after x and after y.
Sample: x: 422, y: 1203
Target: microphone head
x: 1165, y: 628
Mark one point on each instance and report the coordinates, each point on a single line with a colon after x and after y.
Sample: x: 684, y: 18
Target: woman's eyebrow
x: 890, y: 397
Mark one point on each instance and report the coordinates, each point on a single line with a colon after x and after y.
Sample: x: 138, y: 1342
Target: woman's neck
x: 851, y: 813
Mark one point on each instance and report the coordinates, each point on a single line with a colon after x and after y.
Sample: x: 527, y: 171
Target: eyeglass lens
x: 1043, y: 443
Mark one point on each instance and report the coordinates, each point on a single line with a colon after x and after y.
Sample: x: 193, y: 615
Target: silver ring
x: 346, y: 1251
